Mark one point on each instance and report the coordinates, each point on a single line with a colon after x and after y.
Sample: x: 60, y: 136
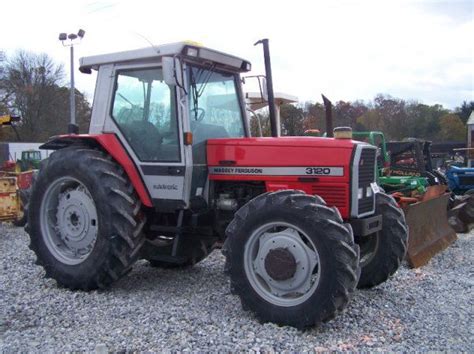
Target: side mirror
x: 169, y: 75
x: 172, y: 72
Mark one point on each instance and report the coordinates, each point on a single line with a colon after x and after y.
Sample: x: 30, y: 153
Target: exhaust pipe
x: 271, y: 96
x: 328, y: 109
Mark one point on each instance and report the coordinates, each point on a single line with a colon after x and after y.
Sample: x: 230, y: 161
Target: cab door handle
x: 175, y: 171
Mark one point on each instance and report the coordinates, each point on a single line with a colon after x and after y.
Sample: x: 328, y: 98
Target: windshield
x: 31, y: 155
x: 215, y: 110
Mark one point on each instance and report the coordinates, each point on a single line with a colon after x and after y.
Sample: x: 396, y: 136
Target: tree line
x: 397, y: 118
x: 33, y: 86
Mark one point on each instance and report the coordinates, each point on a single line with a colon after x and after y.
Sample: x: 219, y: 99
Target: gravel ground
x: 425, y: 309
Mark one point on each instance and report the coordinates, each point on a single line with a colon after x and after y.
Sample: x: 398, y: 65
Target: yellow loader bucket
x: 429, y: 231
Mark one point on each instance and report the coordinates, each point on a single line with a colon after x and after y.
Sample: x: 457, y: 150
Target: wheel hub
x: 69, y: 220
x: 76, y: 220
x: 284, y: 264
x: 280, y: 264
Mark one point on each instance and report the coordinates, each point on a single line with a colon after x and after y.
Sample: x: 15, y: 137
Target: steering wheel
x: 201, y: 113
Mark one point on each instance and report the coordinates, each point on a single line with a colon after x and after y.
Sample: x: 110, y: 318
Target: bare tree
x: 28, y: 85
x: 32, y: 85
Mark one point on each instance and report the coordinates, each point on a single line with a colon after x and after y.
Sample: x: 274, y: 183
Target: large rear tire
x: 382, y: 252
x: 84, y: 219
x: 290, y: 259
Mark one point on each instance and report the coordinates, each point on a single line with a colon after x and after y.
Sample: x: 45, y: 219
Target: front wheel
x: 382, y: 252
x: 291, y: 259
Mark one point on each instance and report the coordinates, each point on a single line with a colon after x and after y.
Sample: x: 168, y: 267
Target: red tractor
x: 169, y: 169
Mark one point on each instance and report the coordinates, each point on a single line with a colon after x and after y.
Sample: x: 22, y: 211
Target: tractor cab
x: 164, y: 103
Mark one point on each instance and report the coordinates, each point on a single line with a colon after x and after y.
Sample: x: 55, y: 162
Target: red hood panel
x: 300, y: 141
x: 318, y: 166
x: 285, y: 151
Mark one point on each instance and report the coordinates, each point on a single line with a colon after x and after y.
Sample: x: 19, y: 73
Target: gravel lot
x: 425, y: 309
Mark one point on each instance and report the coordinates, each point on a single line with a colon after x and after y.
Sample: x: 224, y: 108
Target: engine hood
x: 284, y: 151
x: 299, y: 141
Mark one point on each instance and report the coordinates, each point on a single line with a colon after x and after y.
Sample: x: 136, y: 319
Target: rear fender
x: 110, y: 144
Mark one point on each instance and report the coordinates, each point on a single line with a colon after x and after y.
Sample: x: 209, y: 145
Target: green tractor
x: 30, y: 160
x: 409, y: 186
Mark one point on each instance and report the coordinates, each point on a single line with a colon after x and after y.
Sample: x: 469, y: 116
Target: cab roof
x: 191, y: 50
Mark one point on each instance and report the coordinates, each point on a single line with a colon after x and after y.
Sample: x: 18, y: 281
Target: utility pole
x: 72, y: 127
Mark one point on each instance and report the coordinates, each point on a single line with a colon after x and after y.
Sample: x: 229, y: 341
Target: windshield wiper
x: 203, y: 80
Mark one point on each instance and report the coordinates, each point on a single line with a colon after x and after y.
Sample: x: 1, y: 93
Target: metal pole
x: 271, y: 96
x: 73, y: 128
x: 329, y: 122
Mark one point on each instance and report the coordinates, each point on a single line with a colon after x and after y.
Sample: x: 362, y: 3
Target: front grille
x: 366, y: 177
x: 333, y: 196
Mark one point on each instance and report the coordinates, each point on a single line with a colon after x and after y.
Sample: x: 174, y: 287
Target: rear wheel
x: 382, y: 252
x: 84, y: 219
x: 291, y: 259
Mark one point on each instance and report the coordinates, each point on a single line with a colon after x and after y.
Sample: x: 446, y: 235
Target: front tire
x: 382, y: 252
x: 290, y: 258
x: 84, y: 219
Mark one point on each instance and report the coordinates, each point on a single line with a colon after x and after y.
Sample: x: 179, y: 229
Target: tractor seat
x: 144, y: 138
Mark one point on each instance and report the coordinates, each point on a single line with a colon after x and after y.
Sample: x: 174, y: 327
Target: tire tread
x: 126, y: 218
x: 341, y: 241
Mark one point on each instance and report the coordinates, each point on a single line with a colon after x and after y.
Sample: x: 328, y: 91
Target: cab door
x: 144, y: 115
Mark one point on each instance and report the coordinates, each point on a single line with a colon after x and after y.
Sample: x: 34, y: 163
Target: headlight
x: 192, y: 52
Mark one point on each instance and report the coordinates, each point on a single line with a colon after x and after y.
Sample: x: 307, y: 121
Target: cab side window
x: 144, y: 108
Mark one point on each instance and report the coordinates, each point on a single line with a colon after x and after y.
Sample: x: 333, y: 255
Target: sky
x: 348, y: 50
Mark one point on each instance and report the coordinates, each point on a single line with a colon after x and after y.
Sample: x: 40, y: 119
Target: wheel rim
x: 368, y: 248
x: 69, y: 222
x: 282, y: 264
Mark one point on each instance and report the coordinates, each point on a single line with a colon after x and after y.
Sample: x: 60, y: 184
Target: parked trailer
x: 15, y: 190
